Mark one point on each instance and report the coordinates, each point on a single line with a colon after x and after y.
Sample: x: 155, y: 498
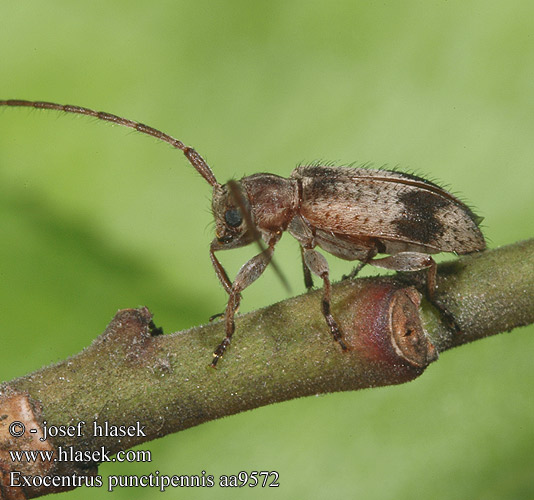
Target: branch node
x: 408, y: 335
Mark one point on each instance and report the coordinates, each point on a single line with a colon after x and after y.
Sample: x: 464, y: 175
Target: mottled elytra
x: 352, y: 213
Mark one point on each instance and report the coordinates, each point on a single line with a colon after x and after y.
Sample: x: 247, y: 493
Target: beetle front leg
x: 223, y: 279
x: 221, y: 275
x: 219, y: 270
x: 318, y: 266
x: 248, y: 273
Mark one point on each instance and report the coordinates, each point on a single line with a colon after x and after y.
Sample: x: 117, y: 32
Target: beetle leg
x: 317, y: 265
x: 215, y: 316
x: 356, y: 270
x: 219, y: 271
x: 222, y: 276
x: 308, y: 279
x: 431, y: 279
x: 411, y: 261
x: 248, y: 273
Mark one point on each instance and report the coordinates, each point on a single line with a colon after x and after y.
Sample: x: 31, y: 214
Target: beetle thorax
x: 273, y: 200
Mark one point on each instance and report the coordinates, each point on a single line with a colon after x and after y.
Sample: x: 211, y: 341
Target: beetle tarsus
x: 336, y: 332
x: 331, y: 322
x: 334, y: 328
x: 219, y: 352
x: 215, y: 316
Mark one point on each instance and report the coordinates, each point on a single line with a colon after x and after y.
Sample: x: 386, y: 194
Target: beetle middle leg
x: 317, y: 265
x: 308, y: 279
x: 248, y: 273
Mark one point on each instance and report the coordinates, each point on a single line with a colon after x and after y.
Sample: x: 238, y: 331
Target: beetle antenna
x: 194, y: 158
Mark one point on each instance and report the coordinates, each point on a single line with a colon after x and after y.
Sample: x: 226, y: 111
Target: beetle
x: 351, y: 213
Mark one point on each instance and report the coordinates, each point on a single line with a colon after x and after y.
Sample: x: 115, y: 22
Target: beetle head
x: 232, y: 214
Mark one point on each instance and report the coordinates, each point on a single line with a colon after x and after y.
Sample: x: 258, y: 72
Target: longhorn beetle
x: 352, y: 213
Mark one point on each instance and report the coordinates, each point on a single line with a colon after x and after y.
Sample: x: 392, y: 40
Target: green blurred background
x: 95, y: 218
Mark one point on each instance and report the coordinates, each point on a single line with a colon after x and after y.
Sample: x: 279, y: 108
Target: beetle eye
x: 233, y: 217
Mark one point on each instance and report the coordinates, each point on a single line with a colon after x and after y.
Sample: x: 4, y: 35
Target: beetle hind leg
x: 414, y: 261
x: 317, y: 264
x: 411, y: 261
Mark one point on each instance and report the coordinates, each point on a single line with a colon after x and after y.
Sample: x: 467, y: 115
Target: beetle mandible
x: 352, y: 213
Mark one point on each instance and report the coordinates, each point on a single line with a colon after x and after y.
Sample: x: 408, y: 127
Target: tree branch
x: 132, y: 374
